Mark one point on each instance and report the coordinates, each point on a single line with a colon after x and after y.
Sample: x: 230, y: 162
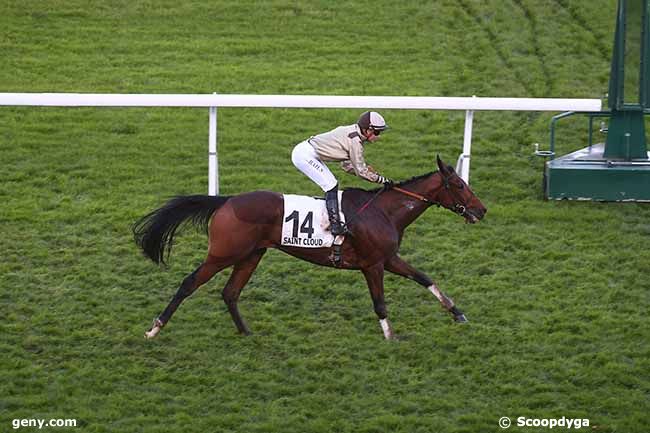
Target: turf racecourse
x: 557, y: 293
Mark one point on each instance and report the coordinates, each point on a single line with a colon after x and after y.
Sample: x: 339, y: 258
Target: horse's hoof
x: 155, y: 329
x: 460, y: 318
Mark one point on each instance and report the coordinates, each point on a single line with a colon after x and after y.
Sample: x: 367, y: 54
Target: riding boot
x: 332, y: 205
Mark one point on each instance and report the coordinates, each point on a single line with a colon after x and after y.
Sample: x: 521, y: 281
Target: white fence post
x: 213, y: 161
x: 462, y: 166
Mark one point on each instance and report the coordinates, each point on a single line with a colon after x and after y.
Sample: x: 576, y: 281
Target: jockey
x: 343, y: 144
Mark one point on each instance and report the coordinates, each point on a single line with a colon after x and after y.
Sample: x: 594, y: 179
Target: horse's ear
x: 441, y: 165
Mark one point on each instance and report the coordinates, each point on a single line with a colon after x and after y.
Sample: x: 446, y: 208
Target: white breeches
x: 305, y: 158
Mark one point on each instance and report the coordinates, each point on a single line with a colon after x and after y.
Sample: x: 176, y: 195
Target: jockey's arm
x: 357, y: 165
x: 346, y: 166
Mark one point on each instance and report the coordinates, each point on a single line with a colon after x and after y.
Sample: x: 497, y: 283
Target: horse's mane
x: 400, y: 184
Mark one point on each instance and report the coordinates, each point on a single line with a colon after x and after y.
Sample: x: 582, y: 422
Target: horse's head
x: 455, y: 195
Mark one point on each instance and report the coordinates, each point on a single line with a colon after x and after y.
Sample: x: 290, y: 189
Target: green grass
x: 556, y: 293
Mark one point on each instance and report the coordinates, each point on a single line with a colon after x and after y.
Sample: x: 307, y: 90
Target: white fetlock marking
x: 151, y: 334
x: 436, y: 292
x: 155, y: 329
x: 385, y: 326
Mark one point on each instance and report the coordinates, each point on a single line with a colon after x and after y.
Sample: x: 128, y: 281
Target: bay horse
x: 240, y: 228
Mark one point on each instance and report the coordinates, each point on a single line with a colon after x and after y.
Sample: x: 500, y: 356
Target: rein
x: 458, y: 208
x: 366, y: 204
x: 396, y: 188
x: 413, y: 194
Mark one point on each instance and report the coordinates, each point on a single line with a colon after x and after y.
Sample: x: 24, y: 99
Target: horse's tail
x: 154, y: 233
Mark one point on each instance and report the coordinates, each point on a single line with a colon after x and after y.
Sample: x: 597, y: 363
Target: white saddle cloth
x: 305, y: 222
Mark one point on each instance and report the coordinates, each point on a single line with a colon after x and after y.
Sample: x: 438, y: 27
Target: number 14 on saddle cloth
x: 305, y: 222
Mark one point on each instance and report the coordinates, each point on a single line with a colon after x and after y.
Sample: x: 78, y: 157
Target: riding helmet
x: 372, y: 119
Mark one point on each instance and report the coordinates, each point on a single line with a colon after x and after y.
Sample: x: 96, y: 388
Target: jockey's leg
x: 332, y: 205
x: 305, y: 158
x: 398, y: 266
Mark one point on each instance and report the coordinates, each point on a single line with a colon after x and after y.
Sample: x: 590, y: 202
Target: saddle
x: 305, y: 224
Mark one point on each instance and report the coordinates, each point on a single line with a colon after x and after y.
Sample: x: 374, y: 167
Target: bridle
x: 458, y: 208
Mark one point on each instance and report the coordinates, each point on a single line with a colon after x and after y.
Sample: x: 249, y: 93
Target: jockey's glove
x: 388, y: 183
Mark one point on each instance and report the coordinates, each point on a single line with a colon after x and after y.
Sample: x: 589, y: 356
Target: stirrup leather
x: 336, y: 256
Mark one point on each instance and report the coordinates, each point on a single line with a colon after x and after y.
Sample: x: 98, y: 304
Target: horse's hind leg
x: 398, y: 266
x: 241, y: 273
x: 193, y: 281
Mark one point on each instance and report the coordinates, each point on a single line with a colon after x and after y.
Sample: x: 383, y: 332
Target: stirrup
x: 342, y: 231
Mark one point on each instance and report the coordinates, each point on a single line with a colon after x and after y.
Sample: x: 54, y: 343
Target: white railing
x: 468, y: 104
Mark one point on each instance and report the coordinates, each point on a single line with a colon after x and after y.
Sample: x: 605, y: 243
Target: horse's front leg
x: 375, y: 279
x: 398, y: 266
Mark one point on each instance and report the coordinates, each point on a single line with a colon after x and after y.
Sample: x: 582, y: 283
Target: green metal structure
x: 619, y: 169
